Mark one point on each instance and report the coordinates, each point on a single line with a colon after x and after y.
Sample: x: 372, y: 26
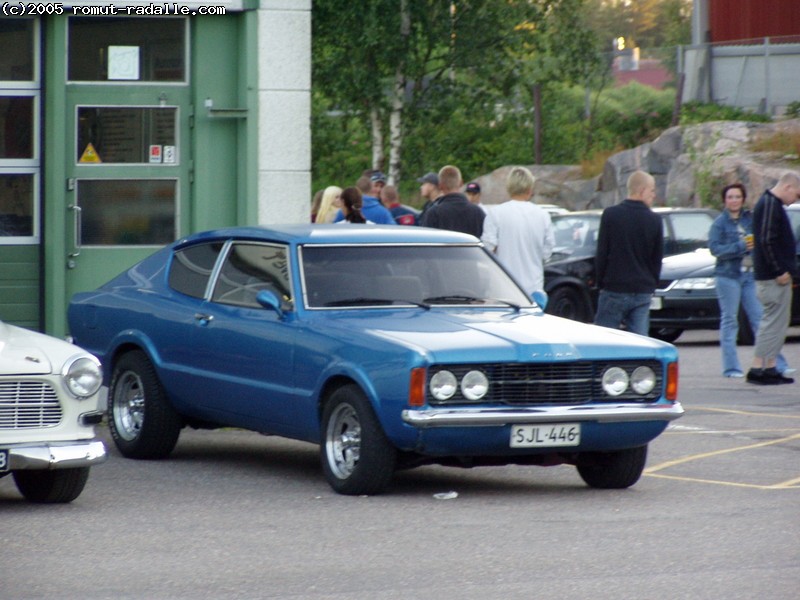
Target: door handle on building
x: 76, y: 242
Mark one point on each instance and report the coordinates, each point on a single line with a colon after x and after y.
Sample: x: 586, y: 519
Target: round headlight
x: 474, y: 385
x: 443, y: 385
x: 615, y: 381
x: 643, y: 380
x: 83, y: 377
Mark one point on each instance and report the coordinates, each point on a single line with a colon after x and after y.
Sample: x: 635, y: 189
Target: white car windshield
x: 390, y: 275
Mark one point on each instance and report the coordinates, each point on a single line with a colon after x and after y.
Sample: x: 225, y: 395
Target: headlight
x: 83, y: 377
x: 643, y: 380
x: 615, y: 381
x: 694, y: 283
x: 443, y: 385
x: 474, y: 385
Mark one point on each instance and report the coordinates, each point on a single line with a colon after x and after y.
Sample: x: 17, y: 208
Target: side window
x: 250, y: 268
x: 191, y: 269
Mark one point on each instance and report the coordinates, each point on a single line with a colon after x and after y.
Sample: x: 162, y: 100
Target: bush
x: 693, y: 113
x: 793, y: 110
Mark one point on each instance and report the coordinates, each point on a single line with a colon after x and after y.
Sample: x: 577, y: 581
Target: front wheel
x: 357, y: 458
x: 666, y: 334
x: 612, y: 470
x: 57, y: 486
x: 569, y: 303
x: 141, y: 419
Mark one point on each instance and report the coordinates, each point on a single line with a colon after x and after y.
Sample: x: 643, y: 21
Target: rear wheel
x: 569, y: 303
x: 57, y: 486
x: 666, y: 334
x: 357, y: 457
x: 141, y: 419
x: 612, y: 470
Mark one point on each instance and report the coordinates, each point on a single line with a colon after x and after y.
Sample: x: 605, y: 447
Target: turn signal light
x: 672, y: 382
x: 416, y: 388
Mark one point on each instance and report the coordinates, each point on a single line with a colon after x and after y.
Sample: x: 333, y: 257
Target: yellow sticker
x: 90, y: 155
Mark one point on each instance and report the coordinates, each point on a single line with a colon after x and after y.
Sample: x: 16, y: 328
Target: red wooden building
x: 748, y: 19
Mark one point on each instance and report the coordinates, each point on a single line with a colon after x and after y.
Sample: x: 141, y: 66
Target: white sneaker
x: 788, y: 371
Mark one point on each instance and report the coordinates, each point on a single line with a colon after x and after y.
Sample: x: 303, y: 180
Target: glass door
x: 128, y: 157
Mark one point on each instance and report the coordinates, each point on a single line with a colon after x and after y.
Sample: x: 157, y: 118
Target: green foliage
x: 793, y: 110
x: 700, y: 112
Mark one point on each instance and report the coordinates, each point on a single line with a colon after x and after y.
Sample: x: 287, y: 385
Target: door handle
x: 203, y: 319
x: 78, y: 225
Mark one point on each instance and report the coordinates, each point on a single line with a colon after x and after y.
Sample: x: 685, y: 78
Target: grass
x: 784, y: 143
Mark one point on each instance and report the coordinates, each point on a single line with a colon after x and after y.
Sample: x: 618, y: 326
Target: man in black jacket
x: 630, y: 245
x: 453, y: 210
x: 774, y: 266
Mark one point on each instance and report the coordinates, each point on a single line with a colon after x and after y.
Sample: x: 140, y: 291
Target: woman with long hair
x: 330, y: 203
x: 351, y: 206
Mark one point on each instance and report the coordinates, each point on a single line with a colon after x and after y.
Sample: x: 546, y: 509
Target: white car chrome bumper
x: 56, y: 455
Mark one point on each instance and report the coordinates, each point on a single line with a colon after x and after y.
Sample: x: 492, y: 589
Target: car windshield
x: 576, y: 235
x: 386, y: 275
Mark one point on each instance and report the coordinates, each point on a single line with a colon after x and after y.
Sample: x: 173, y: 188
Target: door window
x: 130, y: 135
x: 127, y: 49
x: 127, y: 212
x: 191, y: 269
x: 250, y: 268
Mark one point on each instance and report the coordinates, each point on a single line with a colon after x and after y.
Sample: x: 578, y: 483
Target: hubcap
x: 128, y: 406
x: 343, y: 441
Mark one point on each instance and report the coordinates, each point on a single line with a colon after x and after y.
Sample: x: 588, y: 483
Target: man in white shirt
x: 520, y: 233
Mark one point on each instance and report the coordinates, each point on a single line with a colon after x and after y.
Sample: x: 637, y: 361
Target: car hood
x: 699, y: 263
x: 25, y: 352
x: 474, y: 335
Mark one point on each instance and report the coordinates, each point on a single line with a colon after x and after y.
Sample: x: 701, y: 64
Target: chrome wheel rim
x: 128, y: 405
x: 343, y: 441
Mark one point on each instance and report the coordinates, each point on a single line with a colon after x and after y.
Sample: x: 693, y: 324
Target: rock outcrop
x: 689, y: 164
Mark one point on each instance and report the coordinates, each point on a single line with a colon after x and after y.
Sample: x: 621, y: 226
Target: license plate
x: 541, y: 436
x: 4, y: 461
x: 656, y: 303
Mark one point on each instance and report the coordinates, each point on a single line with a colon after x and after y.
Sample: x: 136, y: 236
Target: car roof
x: 335, y: 234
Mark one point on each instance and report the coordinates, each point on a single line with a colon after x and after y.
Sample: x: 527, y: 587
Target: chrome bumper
x: 56, y: 455
x: 483, y: 417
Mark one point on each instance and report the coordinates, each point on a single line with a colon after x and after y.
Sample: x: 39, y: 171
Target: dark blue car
x: 390, y: 347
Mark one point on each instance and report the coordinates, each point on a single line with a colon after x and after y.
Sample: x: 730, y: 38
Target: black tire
x: 746, y: 336
x: 142, y: 421
x: 666, y: 334
x: 357, y: 457
x: 50, y: 487
x: 613, y: 470
x: 569, y: 303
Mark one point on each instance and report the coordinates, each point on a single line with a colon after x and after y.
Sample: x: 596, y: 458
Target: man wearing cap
x: 473, y: 192
x: 428, y: 190
x: 452, y: 210
x: 378, y: 180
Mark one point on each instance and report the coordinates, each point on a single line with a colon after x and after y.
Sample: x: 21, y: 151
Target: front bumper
x: 55, y: 455
x: 482, y: 417
x: 685, y: 310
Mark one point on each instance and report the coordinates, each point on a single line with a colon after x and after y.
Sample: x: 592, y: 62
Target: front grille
x: 28, y: 405
x: 534, y: 384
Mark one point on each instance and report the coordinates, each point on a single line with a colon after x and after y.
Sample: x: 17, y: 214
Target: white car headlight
x: 615, y: 381
x: 474, y: 385
x: 82, y: 376
x: 443, y: 385
x: 643, y: 380
x: 694, y: 283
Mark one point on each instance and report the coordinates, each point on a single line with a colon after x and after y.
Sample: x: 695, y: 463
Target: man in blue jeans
x: 630, y: 246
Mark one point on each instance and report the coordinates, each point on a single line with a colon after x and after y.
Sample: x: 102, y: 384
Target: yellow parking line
x: 728, y: 483
x: 726, y: 431
x: 690, y: 458
x: 792, y: 483
x: 740, y: 412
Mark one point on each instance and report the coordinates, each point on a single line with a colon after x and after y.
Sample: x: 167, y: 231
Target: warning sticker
x: 90, y: 155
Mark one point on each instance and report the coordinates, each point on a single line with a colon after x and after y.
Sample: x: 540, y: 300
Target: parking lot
x: 238, y: 515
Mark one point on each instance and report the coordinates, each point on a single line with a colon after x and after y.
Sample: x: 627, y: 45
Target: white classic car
x: 49, y: 405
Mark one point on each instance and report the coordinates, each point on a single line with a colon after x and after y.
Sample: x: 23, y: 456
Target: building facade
x: 128, y: 125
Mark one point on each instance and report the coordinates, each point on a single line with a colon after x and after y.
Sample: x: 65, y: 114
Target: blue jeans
x: 632, y: 310
x: 731, y: 293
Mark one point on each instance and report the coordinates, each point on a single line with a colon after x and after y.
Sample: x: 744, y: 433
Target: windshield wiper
x: 362, y: 301
x: 470, y: 300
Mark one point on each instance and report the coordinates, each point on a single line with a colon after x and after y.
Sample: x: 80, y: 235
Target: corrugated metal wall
x: 746, y: 19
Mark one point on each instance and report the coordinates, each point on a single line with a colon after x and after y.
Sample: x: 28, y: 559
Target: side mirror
x: 268, y: 299
x: 540, y: 297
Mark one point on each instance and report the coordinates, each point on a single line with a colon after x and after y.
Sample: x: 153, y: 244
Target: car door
x: 243, y: 352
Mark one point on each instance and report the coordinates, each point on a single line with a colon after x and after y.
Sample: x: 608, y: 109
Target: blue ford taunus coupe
x: 390, y: 347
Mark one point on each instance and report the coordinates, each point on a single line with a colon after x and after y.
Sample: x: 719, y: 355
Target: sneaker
x: 734, y: 374
x: 788, y: 371
x: 760, y: 377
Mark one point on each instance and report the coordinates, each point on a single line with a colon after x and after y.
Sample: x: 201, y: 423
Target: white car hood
x: 21, y: 352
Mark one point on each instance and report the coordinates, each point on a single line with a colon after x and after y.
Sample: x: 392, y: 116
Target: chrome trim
x: 497, y: 417
x: 56, y: 455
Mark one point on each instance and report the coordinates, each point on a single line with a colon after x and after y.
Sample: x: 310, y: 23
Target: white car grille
x: 28, y: 404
